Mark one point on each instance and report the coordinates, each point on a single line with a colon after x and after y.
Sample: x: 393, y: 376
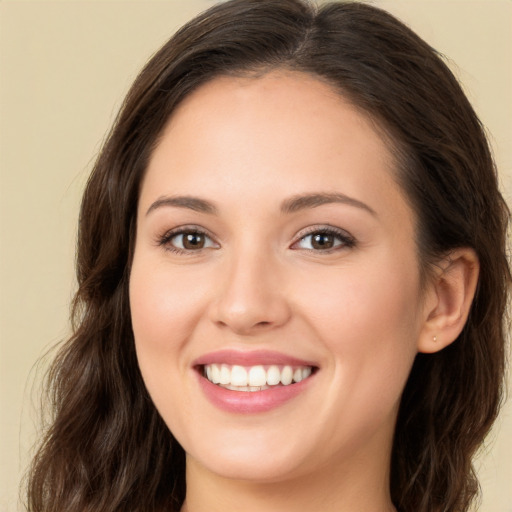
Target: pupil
x: 193, y: 241
x: 322, y: 241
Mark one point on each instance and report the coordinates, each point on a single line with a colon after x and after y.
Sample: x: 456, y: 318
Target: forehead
x: 279, y: 134
x: 281, y: 97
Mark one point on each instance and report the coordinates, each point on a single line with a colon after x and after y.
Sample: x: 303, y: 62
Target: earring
x: 434, y: 338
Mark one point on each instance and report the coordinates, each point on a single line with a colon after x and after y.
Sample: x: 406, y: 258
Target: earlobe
x: 451, y: 293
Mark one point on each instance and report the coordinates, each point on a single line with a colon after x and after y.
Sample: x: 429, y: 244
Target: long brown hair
x: 107, y: 449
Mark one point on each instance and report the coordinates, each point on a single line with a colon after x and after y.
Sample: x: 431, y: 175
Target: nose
x: 251, y: 296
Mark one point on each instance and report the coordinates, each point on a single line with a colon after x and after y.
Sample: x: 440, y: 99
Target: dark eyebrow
x: 302, y: 202
x: 192, y: 203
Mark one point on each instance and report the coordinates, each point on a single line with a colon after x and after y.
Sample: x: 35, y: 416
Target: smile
x: 254, y: 378
x: 256, y: 381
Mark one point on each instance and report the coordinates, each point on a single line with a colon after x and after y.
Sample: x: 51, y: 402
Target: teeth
x: 286, y: 375
x: 257, y: 376
x: 254, y: 378
x: 225, y: 374
x: 215, y: 374
x: 245, y: 388
x: 238, y: 376
x: 273, y: 376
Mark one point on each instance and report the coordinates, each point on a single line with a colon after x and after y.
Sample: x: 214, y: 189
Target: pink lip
x: 250, y: 358
x: 243, y: 402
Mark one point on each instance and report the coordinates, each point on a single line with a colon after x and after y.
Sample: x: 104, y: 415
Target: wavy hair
x: 106, y: 448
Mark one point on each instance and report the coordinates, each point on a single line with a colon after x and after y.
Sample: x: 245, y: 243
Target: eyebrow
x: 192, y: 203
x: 302, y: 202
x: 292, y: 205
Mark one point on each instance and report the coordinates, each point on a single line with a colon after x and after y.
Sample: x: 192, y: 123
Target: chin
x: 264, y: 462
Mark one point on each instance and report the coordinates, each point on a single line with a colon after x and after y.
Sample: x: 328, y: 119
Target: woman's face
x: 275, y: 253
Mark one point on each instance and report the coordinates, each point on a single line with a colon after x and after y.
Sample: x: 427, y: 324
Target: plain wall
x: 64, y: 68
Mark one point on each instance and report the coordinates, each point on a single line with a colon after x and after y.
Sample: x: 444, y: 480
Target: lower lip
x: 249, y: 402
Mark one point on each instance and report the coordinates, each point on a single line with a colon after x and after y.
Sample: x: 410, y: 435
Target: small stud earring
x: 435, y: 339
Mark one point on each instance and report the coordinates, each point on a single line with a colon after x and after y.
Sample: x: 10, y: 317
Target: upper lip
x: 250, y: 358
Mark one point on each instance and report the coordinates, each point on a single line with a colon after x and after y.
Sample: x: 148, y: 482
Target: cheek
x: 164, y: 310
x: 368, y: 319
x: 164, y: 307
x: 360, y: 300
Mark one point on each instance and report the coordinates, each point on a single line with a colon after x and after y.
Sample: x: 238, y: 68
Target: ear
x: 448, y: 299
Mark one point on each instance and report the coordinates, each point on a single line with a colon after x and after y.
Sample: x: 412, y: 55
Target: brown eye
x: 325, y: 240
x: 187, y: 241
x: 322, y: 241
x: 193, y: 241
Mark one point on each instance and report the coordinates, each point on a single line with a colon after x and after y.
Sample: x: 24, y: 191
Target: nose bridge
x: 250, y: 295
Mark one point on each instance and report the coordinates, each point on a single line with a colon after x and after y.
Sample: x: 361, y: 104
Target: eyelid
x: 165, y: 239
x: 347, y: 239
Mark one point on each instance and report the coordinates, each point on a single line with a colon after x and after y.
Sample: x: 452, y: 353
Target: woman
x: 292, y: 278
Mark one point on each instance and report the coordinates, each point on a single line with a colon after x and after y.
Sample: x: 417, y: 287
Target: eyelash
x: 346, y: 240
x: 165, y: 240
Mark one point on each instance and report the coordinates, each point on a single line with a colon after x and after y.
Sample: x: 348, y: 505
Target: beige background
x: 64, y: 68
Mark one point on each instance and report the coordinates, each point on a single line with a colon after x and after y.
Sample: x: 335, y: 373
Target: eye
x: 324, y: 239
x: 187, y: 240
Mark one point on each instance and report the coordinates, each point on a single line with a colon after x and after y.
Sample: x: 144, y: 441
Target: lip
x: 250, y: 358
x: 242, y: 402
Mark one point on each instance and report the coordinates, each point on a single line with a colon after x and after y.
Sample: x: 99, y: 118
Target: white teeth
x: 257, y: 376
x: 273, y: 376
x: 254, y: 378
x: 215, y: 374
x: 238, y: 376
x: 225, y: 374
x: 286, y: 375
x: 245, y: 388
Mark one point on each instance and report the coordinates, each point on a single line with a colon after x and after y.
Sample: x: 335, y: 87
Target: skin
x: 248, y: 145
